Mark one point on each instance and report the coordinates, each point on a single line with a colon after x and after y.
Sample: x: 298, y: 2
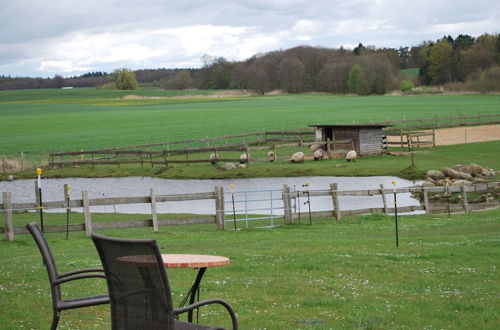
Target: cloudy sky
x: 71, y: 37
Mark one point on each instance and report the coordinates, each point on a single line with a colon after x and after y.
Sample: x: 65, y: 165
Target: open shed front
x: 365, y: 139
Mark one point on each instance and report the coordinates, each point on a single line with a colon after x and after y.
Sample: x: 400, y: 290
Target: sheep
x: 297, y: 157
x: 228, y: 166
x: 319, y: 154
x: 244, y: 158
x: 271, y: 156
x: 214, y: 157
x: 314, y: 147
x: 351, y: 156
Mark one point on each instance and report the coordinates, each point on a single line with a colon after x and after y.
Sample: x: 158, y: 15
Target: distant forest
x: 463, y: 63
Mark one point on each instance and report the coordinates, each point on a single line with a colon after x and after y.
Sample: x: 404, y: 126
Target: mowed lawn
x: 328, y: 275
x: 41, y: 121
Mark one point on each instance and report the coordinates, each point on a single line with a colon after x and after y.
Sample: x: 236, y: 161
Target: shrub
x: 406, y: 85
x: 124, y: 79
x: 488, y: 80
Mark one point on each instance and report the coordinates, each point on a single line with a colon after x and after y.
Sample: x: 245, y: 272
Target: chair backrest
x: 48, y: 260
x: 139, y: 292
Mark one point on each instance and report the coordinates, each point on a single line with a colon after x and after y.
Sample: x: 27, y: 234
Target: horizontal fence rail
x: 223, y: 212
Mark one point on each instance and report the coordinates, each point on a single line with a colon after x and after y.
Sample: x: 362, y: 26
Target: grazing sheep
x: 297, y: 157
x: 228, y: 166
x: 271, y: 156
x: 214, y: 158
x: 244, y: 158
x: 319, y: 154
x: 314, y: 147
x: 351, y: 156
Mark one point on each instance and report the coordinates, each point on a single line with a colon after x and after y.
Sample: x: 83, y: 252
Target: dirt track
x: 460, y: 135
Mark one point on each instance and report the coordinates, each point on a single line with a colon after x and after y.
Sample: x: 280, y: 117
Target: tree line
x: 461, y: 63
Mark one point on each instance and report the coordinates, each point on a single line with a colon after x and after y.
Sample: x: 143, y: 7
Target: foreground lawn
x: 445, y: 274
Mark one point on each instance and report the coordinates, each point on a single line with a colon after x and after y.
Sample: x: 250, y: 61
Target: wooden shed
x: 365, y: 139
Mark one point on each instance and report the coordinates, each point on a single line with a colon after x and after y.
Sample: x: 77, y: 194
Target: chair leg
x: 55, y: 320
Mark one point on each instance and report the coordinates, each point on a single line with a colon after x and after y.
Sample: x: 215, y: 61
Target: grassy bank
x: 328, y: 275
x: 443, y: 156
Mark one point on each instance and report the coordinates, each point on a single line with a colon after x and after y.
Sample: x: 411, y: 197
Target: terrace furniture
x: 139, y: 291
x: 56, y: 279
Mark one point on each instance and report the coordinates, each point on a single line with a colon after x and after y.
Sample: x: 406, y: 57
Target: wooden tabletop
x: 178, y: 260
x: 193, y: 260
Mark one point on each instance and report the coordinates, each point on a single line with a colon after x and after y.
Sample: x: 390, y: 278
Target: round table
x: 200, y: 261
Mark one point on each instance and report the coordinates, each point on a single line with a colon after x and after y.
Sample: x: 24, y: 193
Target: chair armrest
x: 228, y: 307
x: 81, y: 271
x: 77, y: 277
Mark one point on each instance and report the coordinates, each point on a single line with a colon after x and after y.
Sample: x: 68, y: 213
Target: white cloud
x: 61, y: 66
x: 305, y: 29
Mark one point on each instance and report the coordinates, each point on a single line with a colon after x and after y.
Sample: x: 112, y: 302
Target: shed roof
x: 352, y: 125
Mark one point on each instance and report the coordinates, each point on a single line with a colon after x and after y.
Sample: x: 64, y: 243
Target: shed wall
x: 370, y: 141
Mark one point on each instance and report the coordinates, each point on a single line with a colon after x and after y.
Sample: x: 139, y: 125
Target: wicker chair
x: 56, y: 279
x: 140, y: 295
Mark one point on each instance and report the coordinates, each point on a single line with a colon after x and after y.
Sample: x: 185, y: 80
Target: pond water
x: 52, y: 190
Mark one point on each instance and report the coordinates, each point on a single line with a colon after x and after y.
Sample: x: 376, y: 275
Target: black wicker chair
x: 56, y: 279
x: 140, y: 295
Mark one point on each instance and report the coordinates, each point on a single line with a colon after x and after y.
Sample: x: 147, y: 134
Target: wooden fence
x: 443, y: 122
x: 413, y: 139
x: 219, y: 218
x: 271, y: 140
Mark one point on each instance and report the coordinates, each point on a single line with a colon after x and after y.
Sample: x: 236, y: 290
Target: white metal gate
x: 253, y: 205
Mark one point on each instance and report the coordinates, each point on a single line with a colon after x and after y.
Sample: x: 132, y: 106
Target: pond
x: 52, y: 190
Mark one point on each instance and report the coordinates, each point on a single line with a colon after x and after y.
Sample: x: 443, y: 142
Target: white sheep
x: 297, y: 157
x: 314, y: 147
x: 351, y: 156
x: 318, y: 154
x: 214, y: 158
x: 271, y: 156
x: 244, y: 158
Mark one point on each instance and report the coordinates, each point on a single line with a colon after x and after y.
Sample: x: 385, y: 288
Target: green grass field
x: 41, y: 121
x: 347, y: 275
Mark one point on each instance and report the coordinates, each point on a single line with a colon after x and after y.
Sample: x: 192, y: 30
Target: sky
x: 43, y: 38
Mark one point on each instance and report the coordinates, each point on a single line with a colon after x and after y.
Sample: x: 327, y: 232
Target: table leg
x: 195, y: 289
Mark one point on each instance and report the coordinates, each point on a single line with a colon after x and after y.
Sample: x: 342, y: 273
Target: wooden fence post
x: 287, y: 205
x: 86, y: 213
x: 426, y: 200
x: 410, y: 141
x: 22, y: 161
x: 384, y: 201
x: 466, y: 202
x: 328, y: 147
x: 220, y: 213
x: 335, y: 199
x: 7, y: 206
x: 154, y: 215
